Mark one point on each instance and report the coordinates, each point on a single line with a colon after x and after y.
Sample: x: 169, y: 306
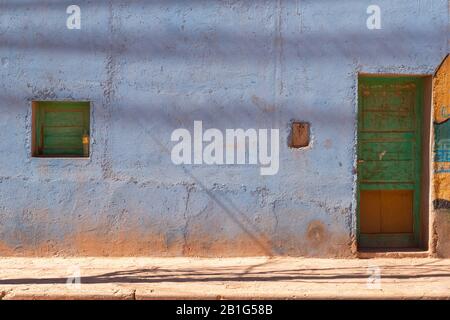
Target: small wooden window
x: 60, y: 129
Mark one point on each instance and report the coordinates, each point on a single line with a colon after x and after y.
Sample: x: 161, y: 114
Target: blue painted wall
x: 149, y: 67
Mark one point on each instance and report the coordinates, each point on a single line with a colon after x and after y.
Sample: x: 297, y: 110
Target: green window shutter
x: 60, y: 128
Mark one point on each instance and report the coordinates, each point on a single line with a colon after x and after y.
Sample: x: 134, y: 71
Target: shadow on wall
x: 148, y: 35
x: 196, y: 56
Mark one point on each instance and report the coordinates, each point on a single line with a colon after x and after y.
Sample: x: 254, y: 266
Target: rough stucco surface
x: 441, y: 181
x: 441, y: 101
x: 149, y: 67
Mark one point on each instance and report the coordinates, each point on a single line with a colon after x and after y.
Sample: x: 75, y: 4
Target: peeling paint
x: 441, y: 100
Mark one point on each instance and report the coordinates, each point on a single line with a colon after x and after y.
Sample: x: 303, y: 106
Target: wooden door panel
x: 370, y: 211
x: 387, y: 171
x: 396, y: 211
x: 387, y: 121
x: 389, y: 129
x: 399, y: 150
x: 386, y: 211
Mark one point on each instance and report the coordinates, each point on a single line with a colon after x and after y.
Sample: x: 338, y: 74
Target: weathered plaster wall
x: 441, y: 196
x: 149, y: 67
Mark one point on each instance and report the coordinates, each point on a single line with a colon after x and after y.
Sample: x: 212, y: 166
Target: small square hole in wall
x: 299, y: 135
x: 60, y: 129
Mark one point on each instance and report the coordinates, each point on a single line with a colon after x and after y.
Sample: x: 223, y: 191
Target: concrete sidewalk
x: 227, y: 278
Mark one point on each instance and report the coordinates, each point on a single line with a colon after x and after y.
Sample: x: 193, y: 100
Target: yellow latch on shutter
x: 85, y: 141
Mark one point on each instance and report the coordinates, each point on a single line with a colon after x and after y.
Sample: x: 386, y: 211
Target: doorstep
x: 393, y: 253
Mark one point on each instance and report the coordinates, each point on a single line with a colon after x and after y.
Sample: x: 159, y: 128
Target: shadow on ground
x: 417, y: 273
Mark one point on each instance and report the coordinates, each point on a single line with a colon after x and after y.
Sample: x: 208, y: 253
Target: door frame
x: 407, y: 240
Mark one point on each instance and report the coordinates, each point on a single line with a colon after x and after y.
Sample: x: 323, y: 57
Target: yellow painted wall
x: 441, y: 105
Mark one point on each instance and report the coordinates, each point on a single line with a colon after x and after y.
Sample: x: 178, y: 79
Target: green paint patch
x: 442, y: 142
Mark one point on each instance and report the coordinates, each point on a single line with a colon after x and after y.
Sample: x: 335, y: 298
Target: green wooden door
x: 60, y: 127
x: 389, y: 161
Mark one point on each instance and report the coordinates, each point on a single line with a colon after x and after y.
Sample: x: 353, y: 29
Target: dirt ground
x: 227, y: 278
